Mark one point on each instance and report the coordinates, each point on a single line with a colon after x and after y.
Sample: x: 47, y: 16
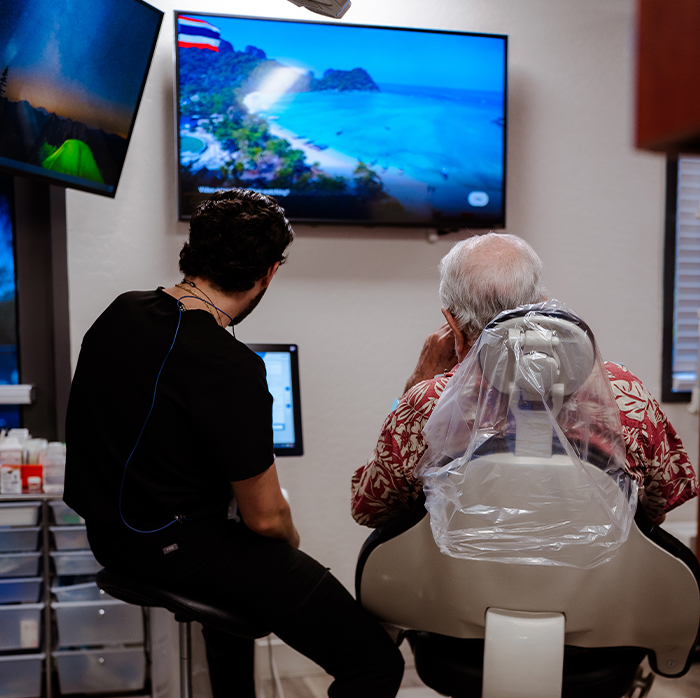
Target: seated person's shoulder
x: 624, y: 381
x: 423, y: 396
x: 637, y: 405
x: 618, y: 371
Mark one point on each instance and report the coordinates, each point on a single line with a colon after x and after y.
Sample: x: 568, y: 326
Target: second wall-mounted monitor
x: 343, y: 123
x: 282, y: 366
x: 72, y: 74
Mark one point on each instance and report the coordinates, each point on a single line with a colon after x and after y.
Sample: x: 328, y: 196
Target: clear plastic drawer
x: 104, y: 622
x: 69, y: 537
x: 20, y: 626
x: 19, y: 564
x: 19, y: 540
x: 20, y: 590
x: 86, y: 591
x: 63, y: 515
x: 71, y: 562
x: 20, y: 676
x: 19, y: 513
x: 102, y: 670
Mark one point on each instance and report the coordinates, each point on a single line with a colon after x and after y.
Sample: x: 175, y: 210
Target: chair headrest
x: 535, y: 348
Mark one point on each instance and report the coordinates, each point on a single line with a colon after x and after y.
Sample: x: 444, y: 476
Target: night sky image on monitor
x: 9, y: 374
x: 71, y: 78
x: 343, y: 123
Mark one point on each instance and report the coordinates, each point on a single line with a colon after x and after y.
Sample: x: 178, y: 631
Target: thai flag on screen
x: 196, y: 33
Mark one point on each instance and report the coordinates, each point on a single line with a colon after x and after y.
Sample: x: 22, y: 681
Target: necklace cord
x: 208, y: 303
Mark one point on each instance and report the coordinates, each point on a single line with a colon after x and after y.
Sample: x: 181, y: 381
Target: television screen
x: 71, y: 77
x: 343, y: 123
x: 282, y: 366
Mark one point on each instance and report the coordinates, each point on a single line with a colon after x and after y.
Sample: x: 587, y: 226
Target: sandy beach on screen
x: 412, y: 193
x: 331, y: 161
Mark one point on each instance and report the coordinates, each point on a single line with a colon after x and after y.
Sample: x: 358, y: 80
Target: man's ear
x: 270, y: 273
x: 462, y: 346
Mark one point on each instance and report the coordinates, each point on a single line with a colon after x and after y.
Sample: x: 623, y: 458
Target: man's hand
x: 437, y: 356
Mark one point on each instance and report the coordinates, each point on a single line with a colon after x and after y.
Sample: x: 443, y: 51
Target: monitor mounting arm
x: 329, y: 8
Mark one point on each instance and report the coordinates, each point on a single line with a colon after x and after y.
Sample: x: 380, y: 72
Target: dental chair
x: 524, y: 570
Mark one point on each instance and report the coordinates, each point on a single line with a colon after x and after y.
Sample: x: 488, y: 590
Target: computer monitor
x: 72, y: 74
x: 282, y: 365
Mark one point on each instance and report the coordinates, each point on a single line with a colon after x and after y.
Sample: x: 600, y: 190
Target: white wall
x: 359, y: 301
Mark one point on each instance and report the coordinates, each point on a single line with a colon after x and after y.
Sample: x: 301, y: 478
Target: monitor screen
x: 9, y: 359
x: 282, y: 365
x: 343, y: 123
x: 72, y: 74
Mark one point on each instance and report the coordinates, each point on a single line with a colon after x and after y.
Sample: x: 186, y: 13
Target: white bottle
x: 54, y: 467
x: 10, y: 466
x: 23, y: 436
x: 11, y: 451
x: 35, y: 450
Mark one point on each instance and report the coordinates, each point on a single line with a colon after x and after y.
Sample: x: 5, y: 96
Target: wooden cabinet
x: 668, y: 76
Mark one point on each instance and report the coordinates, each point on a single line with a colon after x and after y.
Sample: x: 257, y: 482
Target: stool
x: 185, y: 608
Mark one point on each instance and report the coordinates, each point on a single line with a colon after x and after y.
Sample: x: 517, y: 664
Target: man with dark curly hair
x: 170, y: 422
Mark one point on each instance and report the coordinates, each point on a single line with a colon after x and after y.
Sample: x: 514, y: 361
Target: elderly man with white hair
x: 481, y: 277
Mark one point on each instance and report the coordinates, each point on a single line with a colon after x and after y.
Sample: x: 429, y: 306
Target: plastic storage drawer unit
x: 19, y: 513
x: 20, y: 589
x: 106, y: 622
x: 19, y: 540
x: 102, y: 670
x: 20, y: 676
x: 20, y: 626
x: 19, y: 564
x: 70, y: 562
x: 69, y: 537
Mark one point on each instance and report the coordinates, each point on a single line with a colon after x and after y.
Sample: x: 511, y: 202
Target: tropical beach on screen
x: 429, y: 140
x: 399, y: 137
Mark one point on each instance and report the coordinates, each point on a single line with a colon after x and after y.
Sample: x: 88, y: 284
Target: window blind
x: 687, y: 275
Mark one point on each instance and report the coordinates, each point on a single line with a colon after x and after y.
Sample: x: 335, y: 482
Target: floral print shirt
x: 656, y: 457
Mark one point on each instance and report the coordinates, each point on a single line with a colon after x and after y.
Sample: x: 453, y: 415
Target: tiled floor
x: 316, y: 687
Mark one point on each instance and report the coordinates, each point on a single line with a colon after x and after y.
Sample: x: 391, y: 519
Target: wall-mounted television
x: 343, y: 123
x: 72, y: 73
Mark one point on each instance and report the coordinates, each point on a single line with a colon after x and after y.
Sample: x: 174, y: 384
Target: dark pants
x: 275, y: 585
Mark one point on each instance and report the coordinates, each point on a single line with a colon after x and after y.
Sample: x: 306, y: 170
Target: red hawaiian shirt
x: 656, y: 457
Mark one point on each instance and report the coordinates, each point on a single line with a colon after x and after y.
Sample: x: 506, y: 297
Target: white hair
x: 485, y: 275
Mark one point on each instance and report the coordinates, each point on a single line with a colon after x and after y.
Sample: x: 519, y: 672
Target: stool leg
x: 185, y: 659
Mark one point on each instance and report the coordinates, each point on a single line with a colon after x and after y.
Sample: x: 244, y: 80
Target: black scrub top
x: 166, y: 409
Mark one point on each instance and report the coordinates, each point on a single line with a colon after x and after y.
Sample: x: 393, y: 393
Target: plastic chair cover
x: 526, y: 461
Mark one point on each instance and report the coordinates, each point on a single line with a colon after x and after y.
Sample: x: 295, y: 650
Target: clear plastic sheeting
x: 525, y: 458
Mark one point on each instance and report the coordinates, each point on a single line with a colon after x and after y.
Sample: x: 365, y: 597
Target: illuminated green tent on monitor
x: 74, y: 158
